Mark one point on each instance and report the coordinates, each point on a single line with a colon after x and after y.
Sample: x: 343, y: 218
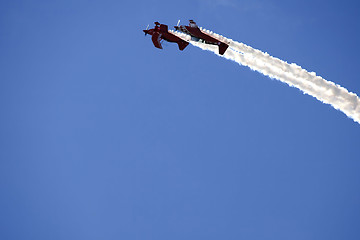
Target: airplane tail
x: 222, y: 48
x: 182, y: 45
x: 163, y: 28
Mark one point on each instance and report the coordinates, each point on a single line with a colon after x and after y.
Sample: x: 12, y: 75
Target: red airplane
x: 160, y: 32
x: 194, y: 31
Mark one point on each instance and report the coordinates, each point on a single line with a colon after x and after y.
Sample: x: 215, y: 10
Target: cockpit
x: 192, y: 23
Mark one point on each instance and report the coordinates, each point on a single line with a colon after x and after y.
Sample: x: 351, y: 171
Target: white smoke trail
x: 291, y: 74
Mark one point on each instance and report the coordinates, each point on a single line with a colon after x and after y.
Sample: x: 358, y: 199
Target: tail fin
x: 182, y: 45
x: 222, y: 48
x: 163, y: 28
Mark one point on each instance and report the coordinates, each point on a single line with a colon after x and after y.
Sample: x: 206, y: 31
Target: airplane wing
x: 156, y: 37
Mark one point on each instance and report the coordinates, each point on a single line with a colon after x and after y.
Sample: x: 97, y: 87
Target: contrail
x: 291, y: 74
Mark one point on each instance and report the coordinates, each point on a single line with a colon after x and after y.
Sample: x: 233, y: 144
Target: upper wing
x: 156, y: 37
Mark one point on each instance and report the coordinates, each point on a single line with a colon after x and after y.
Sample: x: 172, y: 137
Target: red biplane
x: 194, y: 31
x: 160, y: 32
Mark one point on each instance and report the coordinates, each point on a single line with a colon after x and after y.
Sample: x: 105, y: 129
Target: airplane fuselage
x: 196, y: 34
x: 160, y: 31
x: 164, y: 35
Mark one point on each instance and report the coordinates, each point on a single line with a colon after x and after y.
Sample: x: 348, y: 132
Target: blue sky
x: 103, y: 136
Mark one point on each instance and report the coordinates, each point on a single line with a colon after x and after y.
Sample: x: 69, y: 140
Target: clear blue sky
x: 103, y: 136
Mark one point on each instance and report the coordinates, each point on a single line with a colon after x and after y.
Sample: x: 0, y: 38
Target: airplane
x: 194, y: 31
x: 160, y: 32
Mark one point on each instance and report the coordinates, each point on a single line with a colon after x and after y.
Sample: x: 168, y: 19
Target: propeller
x: 177, y: 25
x: 146, y: 30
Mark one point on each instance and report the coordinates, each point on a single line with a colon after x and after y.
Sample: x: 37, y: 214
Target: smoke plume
x: 291, y: 74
